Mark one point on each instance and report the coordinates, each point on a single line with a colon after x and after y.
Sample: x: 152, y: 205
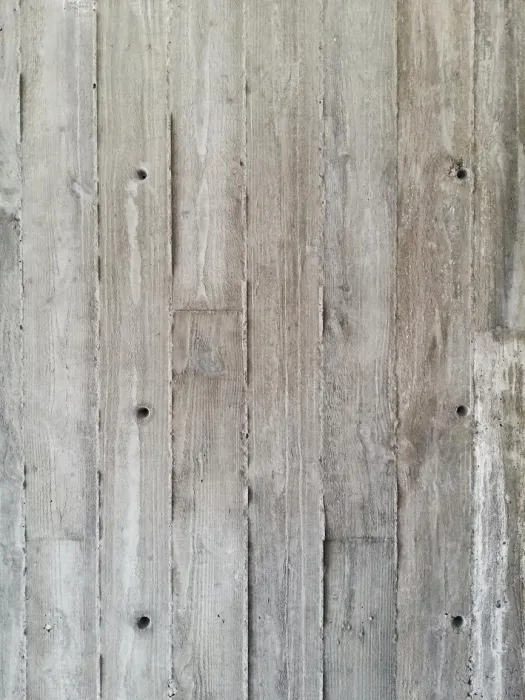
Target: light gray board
x: 359, y: 619
x: 499, y: 169
x: 435, y: 126
x: 283, y: 190
x: 209, y: 506
x: 497, y: 645
x: 207, y: 102
x: 296, y: 102
x: 136, y: 279
x: 60, y: 326
x: 12, y: 577
x: 359, y: 240
x: 498, y: 566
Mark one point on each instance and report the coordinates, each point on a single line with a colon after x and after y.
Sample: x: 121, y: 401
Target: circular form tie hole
x: 143, y: 622
x: 458, y: 621
x: 143, y: 412
x: 142, y: 174
x: 461, y: 173
x: 462, y: 411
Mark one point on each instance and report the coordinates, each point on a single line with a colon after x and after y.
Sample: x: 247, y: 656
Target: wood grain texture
x: 499, y: 195
x: 498, y: 569
x: 60, y: 409
x: 359, y: 619
x: 207, y: 104
x: 308, y: 269
x: 498, y: 563
x: 135, y: 268
x: 12, y: 556
x: 359, y: 474
x: 360, y: 152
x: 433, y: 343
x: 209, y: 514
x: 286, y: 521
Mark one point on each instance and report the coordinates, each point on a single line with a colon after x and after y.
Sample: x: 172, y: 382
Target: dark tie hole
x: 143, y: 622
x: 458, y: 622
x: 461, y: 173
x: 142, y: 174
x: 143, y: 412
x: 462, y: 411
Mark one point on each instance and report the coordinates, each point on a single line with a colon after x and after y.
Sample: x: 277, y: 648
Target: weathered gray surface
x: 499, y: 195
x: 498, y: 566
x: 433, y: 347
x: 209, y: 516
x: 359, y: 618
x: 207, y: 103
x: 135, y: 347
x: 360, y: 186
x: 498, y: 507
x: 12, y: 578
x: 359, y: 475
x: 208, y: 145
x: 283, y: 190
x: 247, y: 217
x: 60, y: 329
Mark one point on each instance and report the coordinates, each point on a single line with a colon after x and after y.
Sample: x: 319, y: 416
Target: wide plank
x: 209, y: 506
x: 285, y: 508
x: 60, y: 406
x: 12, y: 556
x: 433, y: 347
x: 136, y: 275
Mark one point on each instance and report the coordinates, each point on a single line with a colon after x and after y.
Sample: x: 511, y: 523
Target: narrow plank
x: 283, y: 189
x: 498, y: 630
x: 360, y: 148
x: 207, y: 104
x: 434, y: 356
x: 60, y: 411
x: 500, y: 165
x: 12, y: 590
x: 359, y: 618
x: 209, y: 518
x: 135, y: 268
